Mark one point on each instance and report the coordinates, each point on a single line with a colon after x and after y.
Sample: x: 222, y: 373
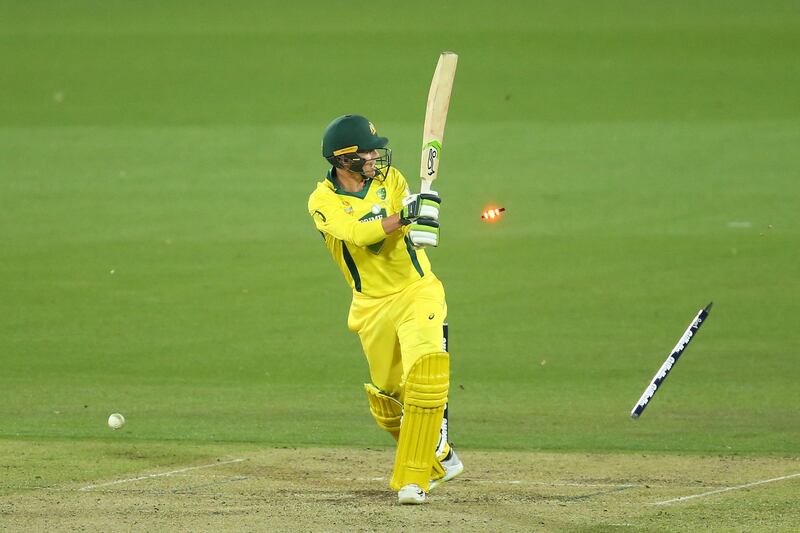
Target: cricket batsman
x: 377, y: 232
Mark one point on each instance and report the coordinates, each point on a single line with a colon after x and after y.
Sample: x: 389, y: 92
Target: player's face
x: 369, y: 162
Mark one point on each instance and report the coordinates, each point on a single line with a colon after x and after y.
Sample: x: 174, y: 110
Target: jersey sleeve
x: 399, y: 190
x: 330, y: 218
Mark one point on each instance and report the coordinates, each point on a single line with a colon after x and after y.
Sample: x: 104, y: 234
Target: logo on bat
x: 433, y: 147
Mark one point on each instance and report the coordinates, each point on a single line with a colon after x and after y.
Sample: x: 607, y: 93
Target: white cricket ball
x: 116, y: 421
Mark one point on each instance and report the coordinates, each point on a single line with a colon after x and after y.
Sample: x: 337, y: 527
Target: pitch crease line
x: 162, y: 474
x: 517, y: 482
x: 551, y: 484
x: 726, y: 489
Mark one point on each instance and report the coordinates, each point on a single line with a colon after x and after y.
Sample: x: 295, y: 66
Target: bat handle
x: 425, y: 186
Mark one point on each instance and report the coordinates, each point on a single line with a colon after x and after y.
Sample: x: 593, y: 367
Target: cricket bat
x: 435, y: 118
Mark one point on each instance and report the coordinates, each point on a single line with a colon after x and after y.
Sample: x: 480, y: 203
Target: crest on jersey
x: 347, y: 207
x: 372, y: 129
x: 381, y: 193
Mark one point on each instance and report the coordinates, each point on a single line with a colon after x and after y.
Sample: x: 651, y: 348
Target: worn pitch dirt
x: 346, y: 490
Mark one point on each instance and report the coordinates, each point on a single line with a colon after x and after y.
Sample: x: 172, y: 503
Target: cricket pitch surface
x: 336, y: 489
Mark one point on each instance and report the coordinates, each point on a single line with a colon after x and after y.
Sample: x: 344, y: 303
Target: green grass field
x: 157, y: 259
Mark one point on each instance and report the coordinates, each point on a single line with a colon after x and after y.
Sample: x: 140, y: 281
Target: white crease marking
x: 726, y: 489
x: 514, y: 482
x: 162, y: 474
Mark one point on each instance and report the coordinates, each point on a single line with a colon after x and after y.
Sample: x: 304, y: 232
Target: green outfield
x: 157, y: 258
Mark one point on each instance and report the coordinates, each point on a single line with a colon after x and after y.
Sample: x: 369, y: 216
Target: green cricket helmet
x: 348, y: 135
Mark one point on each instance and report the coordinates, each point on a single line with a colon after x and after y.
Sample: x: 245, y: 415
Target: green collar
x: 331, y: 176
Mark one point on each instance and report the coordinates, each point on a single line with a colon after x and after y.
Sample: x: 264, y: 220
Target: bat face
x: 436, y: 117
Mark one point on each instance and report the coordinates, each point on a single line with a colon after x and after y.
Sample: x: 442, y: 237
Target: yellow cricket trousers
x: 397, y: 330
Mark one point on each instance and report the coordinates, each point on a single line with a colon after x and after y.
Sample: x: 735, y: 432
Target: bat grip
x: 425, y: 186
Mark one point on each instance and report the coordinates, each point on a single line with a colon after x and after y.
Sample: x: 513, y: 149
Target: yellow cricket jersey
x: 373, y: 263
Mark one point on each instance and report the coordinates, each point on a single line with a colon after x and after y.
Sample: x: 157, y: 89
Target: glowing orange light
x: 492, y: 214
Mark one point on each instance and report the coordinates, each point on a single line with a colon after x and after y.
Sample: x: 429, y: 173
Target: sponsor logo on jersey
x: 372, y: 215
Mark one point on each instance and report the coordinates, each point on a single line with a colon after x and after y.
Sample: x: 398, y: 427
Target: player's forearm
x: 391, y: 224
x: 360, y: 234
x: 364, y: 233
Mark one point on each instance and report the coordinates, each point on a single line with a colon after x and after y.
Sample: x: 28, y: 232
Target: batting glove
x: 424, y: 232
x: 423, y: 205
